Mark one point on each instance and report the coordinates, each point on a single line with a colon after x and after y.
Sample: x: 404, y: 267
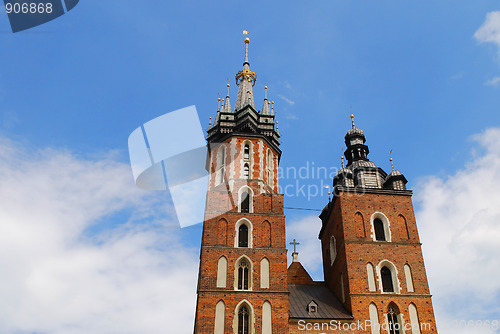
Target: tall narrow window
x: 270, y: 175
x: 245, y: 201
x: 374, y: 325
x: 333, y: 250
x: 246, y: 171
x: 371, y: 277
x: 246, y: 152
x: 378, y: 225
x: 267, y: 325
x: 392, y: 320
x: 222, y: 169
x: 409, y: 278
x: 243, y: 275
x: 264, y: 273
x: 220, y: 310
x: 222, y: 272
x: 243, y: 236
x: 415, y: 325
x: 387, y: 284
x: 243, y: 320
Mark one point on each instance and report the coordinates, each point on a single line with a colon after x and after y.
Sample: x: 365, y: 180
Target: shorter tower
x: 372, y: 257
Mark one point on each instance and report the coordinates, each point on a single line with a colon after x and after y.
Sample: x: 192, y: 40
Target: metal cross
x: 295, y: 243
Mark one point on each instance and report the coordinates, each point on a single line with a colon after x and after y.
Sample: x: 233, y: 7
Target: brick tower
x: 372, y: 258
x: 242, y: 283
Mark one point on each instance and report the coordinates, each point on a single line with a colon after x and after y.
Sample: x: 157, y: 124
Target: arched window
x: 243, y: 269
x: 220, y: 310
x: 270, y: 175
x: 246, y: 152
x: 267, y: 325
x: 378, y: 226
x: 222, y: 164
x: 245, y: 201
x: 264, y: 273
x: 243, y: 236
x: 246, y: 171
x: 393, y: 321
x: 333, y: 249
x: 243, y: 320
x: 415, y: 324
x: 387, y: 284
x: 221, y: 272
x: 409, y: 278
x: 374, y: 324
x: 371, y: 278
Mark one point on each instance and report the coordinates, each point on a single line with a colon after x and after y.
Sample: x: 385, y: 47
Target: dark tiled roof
x: 329, y: 307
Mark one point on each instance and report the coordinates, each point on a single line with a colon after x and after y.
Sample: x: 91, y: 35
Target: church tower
x: 372, y: 258
x: 242, y: 283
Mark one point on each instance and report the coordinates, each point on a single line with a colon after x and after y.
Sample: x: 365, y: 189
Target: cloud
x: 489, y: 32
x: 458, y: 224
x: 493, y: 82
x: 82, y: 250
x: 291, y: 116
x: 287, y: 100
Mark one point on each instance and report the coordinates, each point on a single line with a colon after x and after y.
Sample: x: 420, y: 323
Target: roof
x: 329, y: 307
x: 298, y: 275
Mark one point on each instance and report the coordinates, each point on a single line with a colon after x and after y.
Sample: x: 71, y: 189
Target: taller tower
x: 242, y: 283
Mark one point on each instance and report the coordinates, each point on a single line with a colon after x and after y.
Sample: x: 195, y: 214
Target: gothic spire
x: 245, y: 79
x: 227, y: 105
x: 265, y: 107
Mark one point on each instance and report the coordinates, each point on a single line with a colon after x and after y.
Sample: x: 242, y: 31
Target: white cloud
x: 489, y: 32
x: 493, y: 82
x: 459, y: 226
x: 287, y: 100
x: 82, y: 250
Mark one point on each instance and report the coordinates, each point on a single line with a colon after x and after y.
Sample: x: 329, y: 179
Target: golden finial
x: 265, y: 92
x: 218, y: 104
x: 392, y: 164
x: 247, y: 40
x: 227, y: 90
x: 352, y: 120
x: 210, y: 122
x: 265, y: 87
x: 342, y: 158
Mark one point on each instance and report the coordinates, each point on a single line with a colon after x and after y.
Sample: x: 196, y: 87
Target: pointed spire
x: 218, y: 104
x: 277, y: 130
x: 227, y: 105
x: 342, y: 158
x: 210, y: 122
x: 392, y: 164
x: 352, y: 120
x: 272, y: 109
x: 245, y: 79
x: 265, y: 107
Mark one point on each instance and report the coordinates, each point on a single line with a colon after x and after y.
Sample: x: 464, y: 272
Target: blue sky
x: 418, y: 79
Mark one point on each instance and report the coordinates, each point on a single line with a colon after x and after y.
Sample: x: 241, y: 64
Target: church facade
x: 374, y: 274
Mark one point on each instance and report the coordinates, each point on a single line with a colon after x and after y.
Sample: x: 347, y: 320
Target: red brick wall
x: 350, y: 223
x: 269, y: 241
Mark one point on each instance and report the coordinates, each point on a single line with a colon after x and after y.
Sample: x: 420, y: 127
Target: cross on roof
x: 295, y: 243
